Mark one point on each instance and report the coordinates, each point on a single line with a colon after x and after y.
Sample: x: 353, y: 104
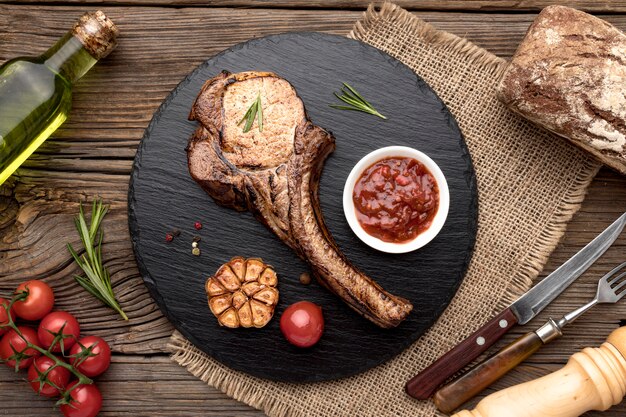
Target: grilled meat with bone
x: 274, y: 173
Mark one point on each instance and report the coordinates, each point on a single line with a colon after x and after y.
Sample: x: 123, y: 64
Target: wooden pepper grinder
x: 593, y: 379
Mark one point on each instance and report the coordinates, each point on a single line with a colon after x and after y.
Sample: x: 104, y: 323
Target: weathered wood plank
x: 92, y: 155
x: 132, y: 82
x: 217, y: 30
x: 129, y: 87
x: 133, y: 385
x: 610, y: 6
x: 155, y: 386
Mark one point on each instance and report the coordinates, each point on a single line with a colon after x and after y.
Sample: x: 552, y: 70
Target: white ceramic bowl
x: 423, y: 238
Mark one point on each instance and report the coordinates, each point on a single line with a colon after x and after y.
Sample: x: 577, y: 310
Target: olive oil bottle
x: 36, y: 93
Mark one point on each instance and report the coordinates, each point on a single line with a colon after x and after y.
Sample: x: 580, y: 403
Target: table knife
x: 611, y: 289
x: 424, y: 384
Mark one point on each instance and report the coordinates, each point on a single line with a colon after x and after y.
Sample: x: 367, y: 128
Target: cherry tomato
x: 52, y: 324
x: 12, y: 343
x: 4, y: 317
x: 92, y: 366
x: 58, y: 376
x: 302, y: 323
x: 37, y: 304
x: 86, y: 401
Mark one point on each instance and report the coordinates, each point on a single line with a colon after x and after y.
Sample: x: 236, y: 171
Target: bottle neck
x: 69, y: 58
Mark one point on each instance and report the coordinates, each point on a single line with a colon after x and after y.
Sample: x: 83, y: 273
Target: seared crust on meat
x: 281, y: 190
x: 226, y: 100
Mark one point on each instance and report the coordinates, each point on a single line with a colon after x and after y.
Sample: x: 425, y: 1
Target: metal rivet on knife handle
x: 521, y: 311
x: 611, y: 288
x: 426, y: 382
x: 593, y: 379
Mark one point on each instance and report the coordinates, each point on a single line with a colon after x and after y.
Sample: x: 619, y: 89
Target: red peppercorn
x: 198, y: 225
x: 169, y: 237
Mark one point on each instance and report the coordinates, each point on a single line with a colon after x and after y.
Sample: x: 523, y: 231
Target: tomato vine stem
x: 82, y: 379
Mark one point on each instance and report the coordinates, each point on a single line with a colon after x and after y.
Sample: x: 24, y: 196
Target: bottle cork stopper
x: 97, y: 33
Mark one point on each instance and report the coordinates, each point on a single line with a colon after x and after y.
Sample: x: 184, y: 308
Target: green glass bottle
x: 36, y: 93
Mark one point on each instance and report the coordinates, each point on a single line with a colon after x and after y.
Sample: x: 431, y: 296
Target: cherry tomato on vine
x: 95, y: 365
x: 37, y: 304
x: 13, y: 342
x: 58, y: 376
x: 302, y: 323
x: 58, y: 322
x: 86, y: 401
x: 4, y: 317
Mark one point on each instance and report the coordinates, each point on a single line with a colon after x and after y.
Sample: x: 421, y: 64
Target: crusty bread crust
x: 569, y: 76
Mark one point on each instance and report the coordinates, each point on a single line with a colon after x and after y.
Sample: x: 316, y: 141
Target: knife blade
x: 471, y: 383
x: 424, y: 384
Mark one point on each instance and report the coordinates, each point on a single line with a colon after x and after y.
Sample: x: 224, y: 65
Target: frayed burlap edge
x: 229, y: 382
x: 249, y: 391
x: 454, y: 45
x: 447, y: 42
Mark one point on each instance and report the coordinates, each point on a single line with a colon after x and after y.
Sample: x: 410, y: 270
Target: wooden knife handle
x: 593, y: 379
x: 424, y: 384
x: 453, y: 395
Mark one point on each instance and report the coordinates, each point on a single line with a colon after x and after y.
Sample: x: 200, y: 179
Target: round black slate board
x: 163, y: 197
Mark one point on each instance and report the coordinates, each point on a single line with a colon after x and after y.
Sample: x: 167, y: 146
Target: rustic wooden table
x: 92, y: 155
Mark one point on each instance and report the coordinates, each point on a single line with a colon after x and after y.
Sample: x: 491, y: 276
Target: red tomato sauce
x: 396, y: 199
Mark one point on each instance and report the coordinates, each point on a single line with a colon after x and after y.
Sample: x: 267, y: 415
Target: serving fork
x: 611, y: 289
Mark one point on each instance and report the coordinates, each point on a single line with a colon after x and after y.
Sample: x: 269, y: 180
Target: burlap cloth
x: 530, y: 184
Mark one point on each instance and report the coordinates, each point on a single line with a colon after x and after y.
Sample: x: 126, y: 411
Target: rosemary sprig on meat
x: 254, y: 111
x: 354, y: 101
x: 96, y: 280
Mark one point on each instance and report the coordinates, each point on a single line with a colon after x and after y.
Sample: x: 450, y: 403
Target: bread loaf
x: 569, y: 76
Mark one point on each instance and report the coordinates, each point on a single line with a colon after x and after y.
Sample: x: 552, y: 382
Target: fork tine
x: 621, y: 284
x: 613, y: 272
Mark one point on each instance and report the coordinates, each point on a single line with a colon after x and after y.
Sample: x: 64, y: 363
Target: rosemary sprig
x: 354, y: 101
x: 96, y: 280
x: 255, y: 110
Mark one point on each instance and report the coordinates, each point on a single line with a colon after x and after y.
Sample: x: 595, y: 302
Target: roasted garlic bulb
x: 243, y: 293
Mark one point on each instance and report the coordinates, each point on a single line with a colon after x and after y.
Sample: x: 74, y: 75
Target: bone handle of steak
x: 334, y: 271
x: 593, y: 379
x: 424, y: 384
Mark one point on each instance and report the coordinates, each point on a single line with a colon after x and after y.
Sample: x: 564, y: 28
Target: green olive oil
x: 36, y: 93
